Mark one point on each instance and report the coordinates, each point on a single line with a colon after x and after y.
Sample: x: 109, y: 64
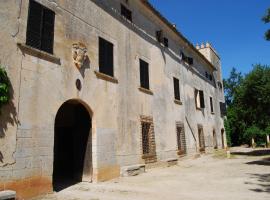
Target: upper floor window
x: 105, y: 57
x: 166, y: 42
x: 186, y: 59
x: 223, y: 109
x: 40, y: 27
x: 199, y: 99
x: 126, y: 13
x: 176, y: 89
x: 144, y: 74
x: 211, y: 105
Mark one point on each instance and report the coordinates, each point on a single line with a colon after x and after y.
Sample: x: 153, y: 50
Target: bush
x: 4, y: 87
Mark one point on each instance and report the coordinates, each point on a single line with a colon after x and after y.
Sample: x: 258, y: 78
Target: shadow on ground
x: 262, y: 182
x: 259, y: 152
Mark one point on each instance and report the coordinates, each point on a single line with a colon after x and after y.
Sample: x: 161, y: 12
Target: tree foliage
x: 248, y: 104
x: 266, y: 20
x: 4, y: 87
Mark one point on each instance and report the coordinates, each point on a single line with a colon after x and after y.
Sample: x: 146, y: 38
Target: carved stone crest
x: 79, y: 51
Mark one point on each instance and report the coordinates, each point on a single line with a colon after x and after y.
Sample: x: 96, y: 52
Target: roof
x: 172, y: 27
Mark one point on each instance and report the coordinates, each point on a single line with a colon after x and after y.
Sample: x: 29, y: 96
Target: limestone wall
x: 40, y: 87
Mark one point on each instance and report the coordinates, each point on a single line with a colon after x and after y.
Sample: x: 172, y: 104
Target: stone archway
x: 72, y: 145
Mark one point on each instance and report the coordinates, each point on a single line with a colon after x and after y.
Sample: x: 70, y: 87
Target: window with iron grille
x: 146, y: 137
x: 126, y: 13
x: 201, y: 138
x: 144, y: 74
x: 105, y: 57
x: 176, y: 89
x: 40, y: 27
x: 181, y: 140
x: 211, y: 105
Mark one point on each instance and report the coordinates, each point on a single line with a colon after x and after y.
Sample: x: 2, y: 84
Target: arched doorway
x: 72, y: 145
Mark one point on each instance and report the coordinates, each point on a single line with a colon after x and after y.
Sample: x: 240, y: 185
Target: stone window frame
x: 150, y: 157
x: 201, y: 142
x: 183, y: 150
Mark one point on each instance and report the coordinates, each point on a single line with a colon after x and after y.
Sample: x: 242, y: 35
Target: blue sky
x: 233, y: 27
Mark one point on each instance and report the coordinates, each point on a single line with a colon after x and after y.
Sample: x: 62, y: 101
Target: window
x: 211, y: 105
x: 126, y: 13
x: 206, y: 75
x: 210, y: 77
x: 186, y: 59
x: 201, y: 138
x: 199, y: 99
x: 223, y: 109
x: 40, y: 27
x: 144, y: 74
x: 176, y: 89
x: 159, y: 36
x: 166, y: 42
x: 105, y: 57
x: 148, y: 139
x: 181, y: 140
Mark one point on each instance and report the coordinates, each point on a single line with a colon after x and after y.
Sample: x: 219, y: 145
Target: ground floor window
x: 201, y: 138
x: 181, y: 138
x: 148, y: 139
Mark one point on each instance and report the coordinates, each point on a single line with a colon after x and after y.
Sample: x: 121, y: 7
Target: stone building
x: 98, y: 85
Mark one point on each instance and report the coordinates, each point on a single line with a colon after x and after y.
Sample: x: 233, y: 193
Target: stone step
x: 7, y: 195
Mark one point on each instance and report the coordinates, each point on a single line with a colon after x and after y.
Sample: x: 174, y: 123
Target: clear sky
x: 233, y: 27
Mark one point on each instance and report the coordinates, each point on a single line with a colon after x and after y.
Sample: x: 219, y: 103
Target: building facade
x: 98, y: 85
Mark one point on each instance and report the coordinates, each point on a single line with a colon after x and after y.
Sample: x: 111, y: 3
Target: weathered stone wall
x: 40, y: 87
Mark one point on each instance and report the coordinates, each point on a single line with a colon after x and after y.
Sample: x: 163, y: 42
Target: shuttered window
x: 105, y: 57
x: 211, y: 105
x: 40, y: 27
x: 202, y: 99
x: 176, y: 89
x: 144, y: 74
x: 126, y: 13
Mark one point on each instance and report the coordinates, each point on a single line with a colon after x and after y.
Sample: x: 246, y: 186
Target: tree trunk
x: 253, y: 143
x: 267, y: 141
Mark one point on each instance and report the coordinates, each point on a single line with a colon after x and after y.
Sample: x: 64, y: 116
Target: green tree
x: 4, y: 87
x: 231, y: 84
x: 248, y: 105
x: 266, y: 20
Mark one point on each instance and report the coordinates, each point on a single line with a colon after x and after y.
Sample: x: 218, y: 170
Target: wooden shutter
x: 47, y: 31
x: 144, y: 74
x: 211, y: 104
x: 201, y: 99
x: 105, y: 57
x: 34, y: 32
x: 176, y: 89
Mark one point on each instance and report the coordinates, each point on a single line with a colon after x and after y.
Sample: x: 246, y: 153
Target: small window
x: 126, y: 13
x: 181, y: 139
x: 210, y: 77
x: 211, y: 105
x: 159, y: 36
x: 166, y: 42
x: 223, y: 109
x: 206, y: 75
x: 40, y: 27
x: 176, y: 89
x: 199, y: 99
x: 144, y: 74
x: 220, y: 85
x: 105, y: 57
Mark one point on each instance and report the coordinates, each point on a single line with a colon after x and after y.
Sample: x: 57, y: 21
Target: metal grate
x: 181, y: 139
x: 146, y: 137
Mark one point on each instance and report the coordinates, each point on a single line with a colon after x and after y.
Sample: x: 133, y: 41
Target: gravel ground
x: 246, y: 176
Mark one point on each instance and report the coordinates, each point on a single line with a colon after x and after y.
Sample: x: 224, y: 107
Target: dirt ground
x: 246, y: 176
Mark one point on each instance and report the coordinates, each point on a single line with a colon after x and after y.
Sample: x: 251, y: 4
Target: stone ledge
x: 106, y: 77
x: 133, y: 170
x: 147, y: 91
x: 7, y: 195
x: 176, y: 101
x: 39, y: 53
x: 171, y: 161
